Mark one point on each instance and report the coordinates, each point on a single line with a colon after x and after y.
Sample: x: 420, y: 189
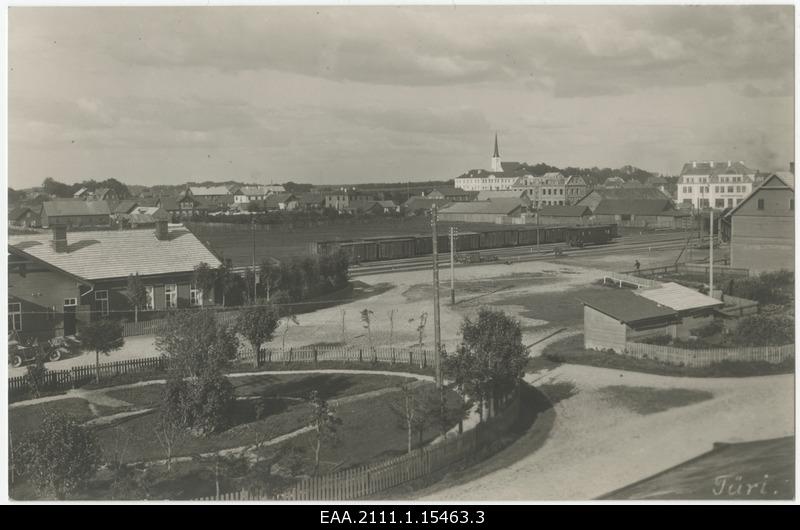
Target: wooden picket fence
x: 380, y: 354
x: 152, y: 327
x: 706, y: 357
x: 56, y: 380
x: 371, y: 479
x: 80, y: 375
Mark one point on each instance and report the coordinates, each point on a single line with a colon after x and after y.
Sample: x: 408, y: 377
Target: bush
x: 767, y: 288
x: 765, y: 330
x: 661, y: 340
x: 58, y: 458
x: 713, y: 328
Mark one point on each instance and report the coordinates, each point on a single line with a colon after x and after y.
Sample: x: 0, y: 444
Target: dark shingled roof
x: 632, y: 206
x: 125, y: 206
x: 423, y: 203
x: 627, y: 307
x: 75, y: 207
x: 565, y: 211
x: 719, y: 168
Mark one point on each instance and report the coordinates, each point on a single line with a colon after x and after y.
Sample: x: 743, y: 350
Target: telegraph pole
x: 436, y: 329
x: 711, y: 255
x: 253, y: 238
x: 452, y: 266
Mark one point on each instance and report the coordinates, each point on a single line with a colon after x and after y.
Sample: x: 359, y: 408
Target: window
x: 719, y: 203
x: 730, y: 189
x: 150, y: 304
x: 730, y: 202
x: 195, y: 295
x: 15, y: 316
x: 760, y: 204
x: 69, y: 302
x: 101, y: 297
x: 171, y: 296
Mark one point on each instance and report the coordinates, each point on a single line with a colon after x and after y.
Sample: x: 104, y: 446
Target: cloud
x: 417, y: 120
x: 572, y: 51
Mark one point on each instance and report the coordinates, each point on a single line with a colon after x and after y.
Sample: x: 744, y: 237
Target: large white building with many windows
x: 550, y: 189
x: 715, y: 184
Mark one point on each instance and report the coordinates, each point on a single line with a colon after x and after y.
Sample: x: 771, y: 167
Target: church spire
x: 496, y: 165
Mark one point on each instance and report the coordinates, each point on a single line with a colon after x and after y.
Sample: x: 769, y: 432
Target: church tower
x: 496, y: 156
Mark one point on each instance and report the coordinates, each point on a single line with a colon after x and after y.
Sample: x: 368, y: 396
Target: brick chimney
x: 59, y: 238
x: 162, y: 230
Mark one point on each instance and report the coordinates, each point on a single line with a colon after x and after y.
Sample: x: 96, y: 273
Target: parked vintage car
x: 21, y: 351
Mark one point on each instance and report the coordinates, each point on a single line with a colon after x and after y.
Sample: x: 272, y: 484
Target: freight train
x: 400, y: 247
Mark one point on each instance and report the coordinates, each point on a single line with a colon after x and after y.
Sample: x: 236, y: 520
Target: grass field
x: 761, y: 470
x: 235, y: 241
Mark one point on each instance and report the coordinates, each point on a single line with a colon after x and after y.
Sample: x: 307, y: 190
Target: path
x: 596, y: 446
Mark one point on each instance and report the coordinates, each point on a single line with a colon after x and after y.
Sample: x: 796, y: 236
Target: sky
x: 331, y: 95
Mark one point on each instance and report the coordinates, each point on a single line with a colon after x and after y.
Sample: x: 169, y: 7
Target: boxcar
x: 468, y: 241
x: 578, y: 236
x: 396, y: 248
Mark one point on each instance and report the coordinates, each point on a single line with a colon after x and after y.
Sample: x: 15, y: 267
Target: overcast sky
x: 348, y: 95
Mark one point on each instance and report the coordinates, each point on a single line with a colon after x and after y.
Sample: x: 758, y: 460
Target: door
x: 69, y: 319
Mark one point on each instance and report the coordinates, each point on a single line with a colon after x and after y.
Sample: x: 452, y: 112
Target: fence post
x: 315, y: 357
x: 360, y: 355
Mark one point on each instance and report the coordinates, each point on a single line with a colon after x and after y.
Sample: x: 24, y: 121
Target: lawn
x: 750, y: 471
x: 23, y: 420
x: 647, y: 400
x: 570, y: 350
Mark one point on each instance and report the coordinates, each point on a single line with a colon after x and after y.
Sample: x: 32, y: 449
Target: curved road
x: 597, y: 445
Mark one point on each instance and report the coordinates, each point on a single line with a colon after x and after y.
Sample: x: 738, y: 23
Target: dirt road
x: 596, y: 445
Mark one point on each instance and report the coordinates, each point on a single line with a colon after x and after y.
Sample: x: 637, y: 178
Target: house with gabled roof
x: 75, y: 213
x: 762, y: 227
x: 60, y: 279
x: 25, y: 217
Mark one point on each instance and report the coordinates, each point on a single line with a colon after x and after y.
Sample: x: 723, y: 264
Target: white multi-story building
x: 715, y: 184
x: 550, y: 189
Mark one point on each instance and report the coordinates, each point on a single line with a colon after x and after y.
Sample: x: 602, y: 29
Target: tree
x: 136, y: 293
x: 173, y: 421
x: 257, y: 324
x: 227, y: 281
x: 34, y: 372
x: 270, y: 273
x: 491, y: 358
x: 366, y: 319
x: 324, y: 423
x: 56, y: 188
x: 391, y: 329
x: 287, y: 321
x: 205, y: 278
x: 410, y: 414
x: 765, y: 330
x: 195, y: 343
x: 198, y: 396
x: 101, y: 336
x: 59, y: 457
x: 421, y: 322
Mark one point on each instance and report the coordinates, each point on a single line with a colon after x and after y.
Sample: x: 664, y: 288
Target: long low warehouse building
x: 500, y: 211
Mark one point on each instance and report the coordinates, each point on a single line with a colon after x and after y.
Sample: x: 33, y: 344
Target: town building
x: 246, y: 194
x: 61, y: 279
x: 75, y: 213
x: 311, y: 201
x: 715, y: 184
x: 506, y: 194
x: 347, y: 200
x: 212, y: 195
x: 501, y: 211
x: 184, y: 206
x: 575, y: 189
x: 420, y: 205
x: 25, y: 217
x: 762, y: 227
x: 614, y: 317
x: 281, y: 201
x: 451, y: 194
x: 563, y: 215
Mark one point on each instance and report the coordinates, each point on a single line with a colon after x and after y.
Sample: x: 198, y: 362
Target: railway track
x: 520, y: 254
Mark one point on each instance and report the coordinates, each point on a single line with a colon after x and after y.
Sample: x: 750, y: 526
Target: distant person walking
x: 637, y: 265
